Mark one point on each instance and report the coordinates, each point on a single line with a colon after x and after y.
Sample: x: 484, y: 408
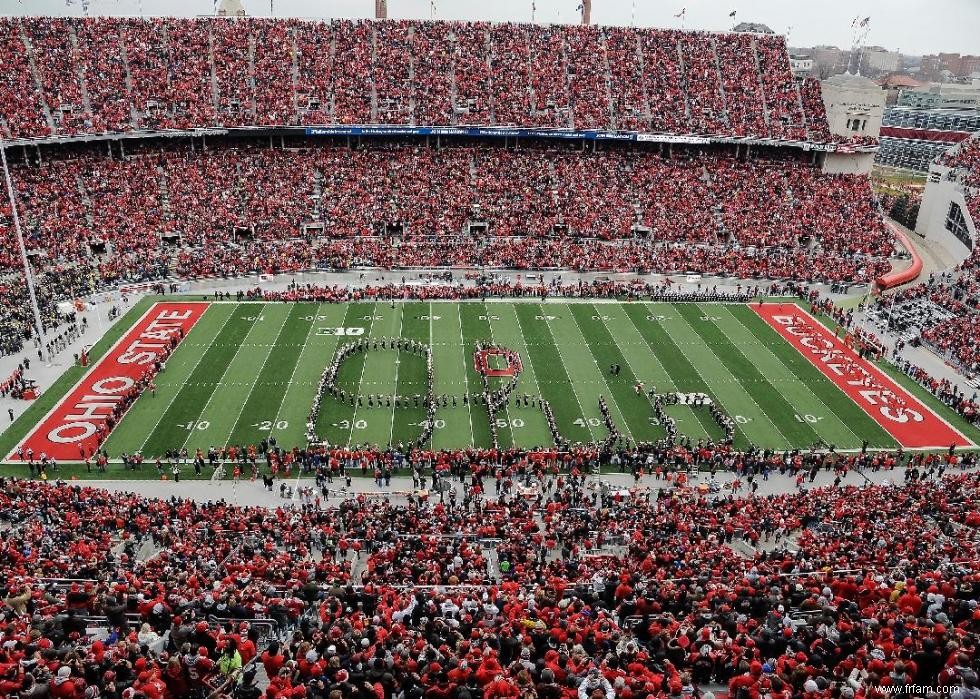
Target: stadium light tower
x: 381, y: 9
x: 38, y: 326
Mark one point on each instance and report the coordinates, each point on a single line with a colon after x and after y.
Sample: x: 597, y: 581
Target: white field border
x: 10, y: 457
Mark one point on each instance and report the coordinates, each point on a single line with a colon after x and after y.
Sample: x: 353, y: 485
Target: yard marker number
x: 340, y: 332
x: 346, y: 424
x: 812, y: 419
x: 266, y: 425
x: 199, y: 425
x: 590, y: 422
x: 516, y: 422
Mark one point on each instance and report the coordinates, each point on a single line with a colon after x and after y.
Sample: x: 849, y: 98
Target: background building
x: 912, y: 138
x: 855, y: 105
x: 948, y: 95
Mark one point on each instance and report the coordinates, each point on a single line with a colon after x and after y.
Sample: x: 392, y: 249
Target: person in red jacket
x: 273, y: 659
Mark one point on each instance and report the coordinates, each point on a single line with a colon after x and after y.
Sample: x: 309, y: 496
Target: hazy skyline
x: 900, y: 25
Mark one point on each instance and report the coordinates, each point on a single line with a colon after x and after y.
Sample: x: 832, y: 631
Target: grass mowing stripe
x: 449, y: 364
x: 645, y: 366
x: 825, y: 423
x: 475, y: 327
x: 171, y: 429
x: 555, y: 385
x: 298, y: 397
x: 223, y: 408
x: 580, y: 363
x: 776, y: 409
x: 507, y: 329
x: 336, y: 418
x: 417, y: 319
x: 50, y: 396
x: 258, y: 413
x: 505, y: 434
x: 860, y: 425
x: 683, y: 374
x: 379, y: 377
x: 635, y: 407
x: 145, y: 414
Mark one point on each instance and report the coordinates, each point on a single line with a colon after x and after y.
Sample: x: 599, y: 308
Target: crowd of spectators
x: 573, y: 590
x: 956, y: 334
x: 452, y: 206
x: 68, y: 76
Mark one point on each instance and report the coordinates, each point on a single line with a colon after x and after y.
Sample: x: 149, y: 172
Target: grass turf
x: 249, y: 371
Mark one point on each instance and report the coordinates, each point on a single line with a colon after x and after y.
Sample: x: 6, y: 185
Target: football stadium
x: 443, y: 359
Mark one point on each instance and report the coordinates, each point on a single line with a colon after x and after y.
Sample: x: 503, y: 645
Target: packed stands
x: 577, y: 591
x: 68, y: 76
x: 89, y: 207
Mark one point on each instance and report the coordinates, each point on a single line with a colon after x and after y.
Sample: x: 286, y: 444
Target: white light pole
x: 38, y: 325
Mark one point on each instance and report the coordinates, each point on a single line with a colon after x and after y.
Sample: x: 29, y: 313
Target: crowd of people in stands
x: 956, y: 337
x: 250, y: 209
x: 68, y: 76
x: 572, y: 591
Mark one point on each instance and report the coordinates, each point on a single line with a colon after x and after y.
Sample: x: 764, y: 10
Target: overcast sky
x: 912, y: 26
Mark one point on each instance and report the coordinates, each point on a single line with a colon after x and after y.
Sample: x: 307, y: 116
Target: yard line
x: 510, y: 424
x: 643, y: 344
x: 299, y: 359
x: 398, y: 366
x: 200, y: 358
x: 792, y: 373
x: 612, y: 395
x: 462, y: 349
x: 357, y: 389
x: 527, y: 352
x: 268, y: 356
x: 231, y: 362
x: 581, y: 409
x: 737, y: 383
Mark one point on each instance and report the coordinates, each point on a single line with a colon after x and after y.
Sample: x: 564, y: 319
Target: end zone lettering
x: 78, y: 422
x: 912, y: 424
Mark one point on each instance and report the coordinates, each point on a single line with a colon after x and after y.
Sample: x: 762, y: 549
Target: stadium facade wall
x: 941, y: 197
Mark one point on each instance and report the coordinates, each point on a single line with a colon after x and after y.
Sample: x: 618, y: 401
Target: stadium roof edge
x: 397, y: 130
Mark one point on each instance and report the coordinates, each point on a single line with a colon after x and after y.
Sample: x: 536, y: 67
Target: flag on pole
x: 580, y: 7
x: 865, y: 21
x: 732, y: 13
x: 682, y: 12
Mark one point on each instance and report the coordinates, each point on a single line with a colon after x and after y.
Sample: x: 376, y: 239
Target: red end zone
x: 79, y: 421
x: 912, y: 424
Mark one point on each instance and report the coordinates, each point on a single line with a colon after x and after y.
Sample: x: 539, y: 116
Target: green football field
x: 248, y: 371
